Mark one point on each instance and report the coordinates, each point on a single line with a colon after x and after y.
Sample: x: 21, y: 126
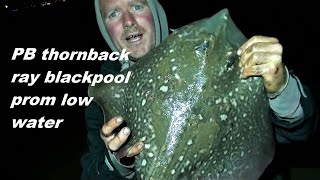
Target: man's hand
x: 114, y: 141
x: 262, y: 56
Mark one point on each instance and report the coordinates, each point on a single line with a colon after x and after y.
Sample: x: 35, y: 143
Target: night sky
x: 71, y: 25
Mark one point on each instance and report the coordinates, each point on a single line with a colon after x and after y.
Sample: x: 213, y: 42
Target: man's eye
x: 113, y: 15
x: 137, y: 7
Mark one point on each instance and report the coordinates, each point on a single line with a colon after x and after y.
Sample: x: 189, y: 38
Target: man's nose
x: 128, y: 19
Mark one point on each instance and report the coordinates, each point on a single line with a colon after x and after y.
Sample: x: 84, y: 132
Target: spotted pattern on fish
x: 186, y: 101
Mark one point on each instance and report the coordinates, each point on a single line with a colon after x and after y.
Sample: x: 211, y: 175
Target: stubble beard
x: 141, y: 47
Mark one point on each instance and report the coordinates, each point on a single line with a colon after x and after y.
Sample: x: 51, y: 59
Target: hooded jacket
x: 294, y: 100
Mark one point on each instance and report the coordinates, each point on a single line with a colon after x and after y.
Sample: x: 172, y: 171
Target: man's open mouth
x: 134, y: 37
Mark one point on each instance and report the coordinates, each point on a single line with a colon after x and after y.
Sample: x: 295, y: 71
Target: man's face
x: 130, y: 25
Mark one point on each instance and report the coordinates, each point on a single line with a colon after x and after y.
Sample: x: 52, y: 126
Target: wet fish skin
x: 186, y: 101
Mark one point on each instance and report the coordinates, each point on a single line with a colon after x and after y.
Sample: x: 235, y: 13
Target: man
x: 140, y: 25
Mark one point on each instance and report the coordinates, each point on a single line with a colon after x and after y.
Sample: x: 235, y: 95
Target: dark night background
x: 52, y: 154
